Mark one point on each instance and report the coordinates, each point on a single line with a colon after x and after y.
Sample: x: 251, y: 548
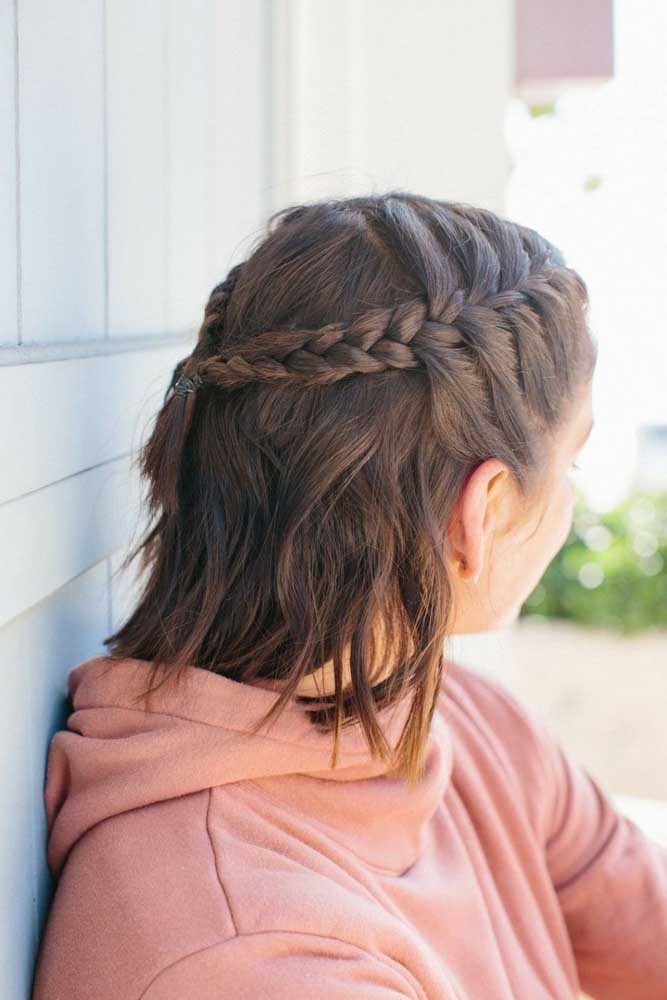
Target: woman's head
x: 376, y: 456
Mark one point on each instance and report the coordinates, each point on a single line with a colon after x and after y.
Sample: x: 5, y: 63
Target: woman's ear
x: 471, y: 524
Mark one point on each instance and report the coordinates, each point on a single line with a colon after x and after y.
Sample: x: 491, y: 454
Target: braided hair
x: 347, y: 378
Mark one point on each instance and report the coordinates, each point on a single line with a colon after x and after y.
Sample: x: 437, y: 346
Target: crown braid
x: 474, y: 340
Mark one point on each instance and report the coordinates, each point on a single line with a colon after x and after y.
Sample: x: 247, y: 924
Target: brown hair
x: 364, y: 359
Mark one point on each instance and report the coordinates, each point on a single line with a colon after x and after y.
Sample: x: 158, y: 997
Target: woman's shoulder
x: 499, y: 735
x: 481, y: 694
x: 477, y: 691
x: 137, y: 890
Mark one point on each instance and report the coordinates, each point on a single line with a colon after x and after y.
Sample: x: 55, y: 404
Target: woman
x: 367, y: 451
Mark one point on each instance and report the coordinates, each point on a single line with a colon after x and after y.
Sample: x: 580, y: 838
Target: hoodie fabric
x: 194, y: 859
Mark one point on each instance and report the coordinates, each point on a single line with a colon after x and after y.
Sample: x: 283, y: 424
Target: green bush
x: 612, y: 570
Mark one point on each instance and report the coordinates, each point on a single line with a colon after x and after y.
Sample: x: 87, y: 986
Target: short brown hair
x: 364, y: 359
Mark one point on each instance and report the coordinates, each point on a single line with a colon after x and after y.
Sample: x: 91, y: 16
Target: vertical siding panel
x: 190, y: 125
x: 8, y: 178
x: 137, y: 166
x: 62, y: 169
x: 240, y: 154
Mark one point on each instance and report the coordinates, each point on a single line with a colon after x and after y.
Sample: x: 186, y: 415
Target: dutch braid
x: 482, y: 344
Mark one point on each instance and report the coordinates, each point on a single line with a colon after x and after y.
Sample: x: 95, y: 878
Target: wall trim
x: 67, y: 350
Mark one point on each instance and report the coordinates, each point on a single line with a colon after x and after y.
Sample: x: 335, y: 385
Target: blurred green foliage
x: 539, y: 108
x: 592, y: 182
x: 612, y: 570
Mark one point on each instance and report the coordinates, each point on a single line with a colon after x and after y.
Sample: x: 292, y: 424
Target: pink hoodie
x: 195, y: 860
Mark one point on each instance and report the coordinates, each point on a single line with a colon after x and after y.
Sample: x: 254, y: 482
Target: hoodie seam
x: 215, y: 861
x: 411, y: 982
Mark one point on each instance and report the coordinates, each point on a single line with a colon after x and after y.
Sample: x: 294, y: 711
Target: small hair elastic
x: 187, y: 383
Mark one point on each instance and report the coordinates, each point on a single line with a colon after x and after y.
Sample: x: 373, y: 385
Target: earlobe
x: 466, y: 550
x: 466, y: 572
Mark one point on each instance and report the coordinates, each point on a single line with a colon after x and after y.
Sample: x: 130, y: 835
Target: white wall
x: 136, y: 140
x: 373, y: 94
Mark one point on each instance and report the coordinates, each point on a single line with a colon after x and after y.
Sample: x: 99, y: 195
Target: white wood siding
x: 135, y: 165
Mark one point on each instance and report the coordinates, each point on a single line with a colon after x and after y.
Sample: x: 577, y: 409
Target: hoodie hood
x: 116, y: 756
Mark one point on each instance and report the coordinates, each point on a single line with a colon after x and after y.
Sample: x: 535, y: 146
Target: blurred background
x: 145, y: 146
